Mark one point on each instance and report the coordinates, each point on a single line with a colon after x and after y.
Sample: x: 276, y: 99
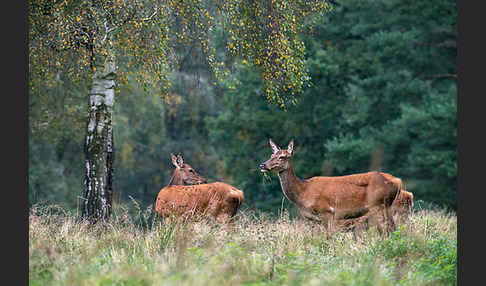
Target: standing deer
x: 217, y: 200
x: 343, y: 198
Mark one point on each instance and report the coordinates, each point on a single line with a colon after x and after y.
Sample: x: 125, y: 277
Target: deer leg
x: 355, y: 224
x: 385, y: 222
x: 309, y: 215
x: 397, y: 218
x: 375, y: 218
x: 223, y: 218
x: 327, y: 219
x: 389, y: 217
x: 379, y: 226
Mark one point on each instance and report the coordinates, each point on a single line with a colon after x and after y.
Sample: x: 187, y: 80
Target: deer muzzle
x: 263, y: 168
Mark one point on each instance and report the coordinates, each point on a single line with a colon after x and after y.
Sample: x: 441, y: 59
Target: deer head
x: 185, y: 173
x: 280, y: 159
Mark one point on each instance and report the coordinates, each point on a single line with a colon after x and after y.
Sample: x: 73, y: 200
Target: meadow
x: 138, y: 248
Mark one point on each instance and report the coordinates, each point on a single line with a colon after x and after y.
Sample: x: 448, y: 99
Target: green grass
x: 256, y: 250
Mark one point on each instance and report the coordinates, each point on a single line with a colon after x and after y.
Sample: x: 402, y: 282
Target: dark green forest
x: 382, y: 96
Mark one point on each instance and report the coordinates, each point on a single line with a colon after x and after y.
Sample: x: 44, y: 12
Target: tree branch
x: 151, y: 16
x: 107, y: 31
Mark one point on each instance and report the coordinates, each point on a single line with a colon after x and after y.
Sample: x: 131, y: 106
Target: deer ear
x: 290, y: 148
x: 274, y: 146
x: 174, y: 160
x: 180, y: 161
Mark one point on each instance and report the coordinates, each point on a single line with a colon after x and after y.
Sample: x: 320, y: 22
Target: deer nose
x: 262, y: 166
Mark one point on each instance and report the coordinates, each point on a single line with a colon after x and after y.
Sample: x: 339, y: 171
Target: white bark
x: 98, y: 145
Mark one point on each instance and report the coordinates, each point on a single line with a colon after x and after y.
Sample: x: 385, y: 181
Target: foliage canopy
x: 142, y: 38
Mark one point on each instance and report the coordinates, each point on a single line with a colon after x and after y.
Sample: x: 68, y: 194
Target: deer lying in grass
x: 217, y: 200
x: 341, y: 199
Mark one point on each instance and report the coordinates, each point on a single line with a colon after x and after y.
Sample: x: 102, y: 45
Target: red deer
x: 184, y: 174
x: 217, y: 200
x: 342, y: 198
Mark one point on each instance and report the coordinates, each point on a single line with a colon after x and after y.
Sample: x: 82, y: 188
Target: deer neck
x: 176, y: 179
x: 292, y: 186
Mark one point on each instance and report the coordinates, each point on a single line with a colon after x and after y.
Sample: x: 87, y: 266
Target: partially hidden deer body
x: 401, y: 208
x: 217, y: 200
x: 329, y: 199
x: 402, y: 205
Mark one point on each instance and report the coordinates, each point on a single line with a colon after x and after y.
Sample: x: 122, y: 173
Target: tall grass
x: 257, y: 249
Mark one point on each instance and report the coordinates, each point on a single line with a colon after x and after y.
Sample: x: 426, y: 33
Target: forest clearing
x: 367, y: 89
x: 258, y: 249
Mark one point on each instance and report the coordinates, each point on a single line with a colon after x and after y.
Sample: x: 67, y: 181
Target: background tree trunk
x: 98, y: 149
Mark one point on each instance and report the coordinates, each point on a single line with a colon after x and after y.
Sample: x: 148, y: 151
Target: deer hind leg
x: 383, y: 219
x: 223, y: 218
x: 376, y: 218
x: 355, y: 224
x: 309, y: 215
x: 327, y: 219
x: 397, y: 218
x: 391, y: 226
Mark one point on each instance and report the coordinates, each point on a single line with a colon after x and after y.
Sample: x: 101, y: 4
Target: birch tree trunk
x: 99, y: 147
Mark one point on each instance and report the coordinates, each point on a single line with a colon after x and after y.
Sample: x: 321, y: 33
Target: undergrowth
x: 138, y: 248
